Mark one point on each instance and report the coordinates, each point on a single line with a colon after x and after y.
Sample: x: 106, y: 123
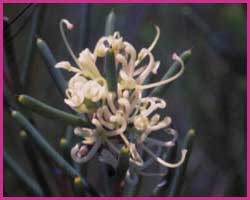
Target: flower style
x: 122, y: 117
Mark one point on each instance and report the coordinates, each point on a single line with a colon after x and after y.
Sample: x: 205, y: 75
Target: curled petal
x: 102, y: 47
x: 151, y: 65
x: 141, y: 122
x: 126, y: 104
x: 84, y: 132
x: 127, y: 82
x: 163, y: 82
x: 130, y: 50
x: 67, y: 66
x: 154, y: 104
x: 154, y: 120
x: 82, y: 158
x: 162, y: 124
x: 136, y: 158
x: 86, y: 62
x: 156, y: 67
x: 164, y: 163
x: 142, y: 54
x: 100, y: 116
x: 119, y: 58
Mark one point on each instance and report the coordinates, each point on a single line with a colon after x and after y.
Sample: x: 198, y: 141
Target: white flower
x: 123, y: 117
x: 141, y: 122
x: 81, y: 91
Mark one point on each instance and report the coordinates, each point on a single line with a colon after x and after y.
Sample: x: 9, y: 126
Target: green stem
x: 32, y: 156
x: 174, y: 68
x: 37, y: 21
x: 50, y: 112
x: 110, y: 24
x: 110, y: 71
x: 121, y: 170
x: 178, y: 179
x: 50, y: 151
x: 50, y: 62
x: 169, y: 156
x: 29, y: 182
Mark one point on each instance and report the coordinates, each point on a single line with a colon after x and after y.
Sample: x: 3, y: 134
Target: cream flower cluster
x: 123, y: 117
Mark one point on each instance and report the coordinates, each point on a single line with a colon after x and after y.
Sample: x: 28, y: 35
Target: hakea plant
x: 121, y: 116
x: 114, y: 119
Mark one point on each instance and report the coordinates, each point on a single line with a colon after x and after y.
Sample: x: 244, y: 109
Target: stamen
x: 163, y: 82
x: 164, y: 163
x: 141, y: 55
x: 125, y: 103
x: 139, y: 70
x: 69, y: 27
x: 154, y: 105
x: 151, y: 47
x: 156, y: 67
x: 102, y: 120
x: 148, y: 69
x: 132, y: 53
x: 121, y: 59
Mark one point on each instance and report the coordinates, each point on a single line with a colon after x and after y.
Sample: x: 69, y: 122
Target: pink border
x: 125, y: 1
x: 120, y: 1
x: 1, y: 99
x: 248, y: 93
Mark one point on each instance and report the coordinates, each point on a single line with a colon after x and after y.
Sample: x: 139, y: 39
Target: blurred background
x: 209, y: 97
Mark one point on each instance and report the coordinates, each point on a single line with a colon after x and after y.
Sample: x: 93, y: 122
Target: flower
x: 123, y: 117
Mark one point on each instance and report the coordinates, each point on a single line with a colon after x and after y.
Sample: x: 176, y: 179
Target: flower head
x: 122, y: 117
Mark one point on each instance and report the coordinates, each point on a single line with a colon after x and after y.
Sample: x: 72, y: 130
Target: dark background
x: 210, y: 97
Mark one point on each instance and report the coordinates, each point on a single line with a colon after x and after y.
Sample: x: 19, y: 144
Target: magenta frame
x: 122, y: 1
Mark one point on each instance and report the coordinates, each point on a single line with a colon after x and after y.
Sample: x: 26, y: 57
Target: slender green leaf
x: 123, y: 164
x: 50, y: 112
x: 49, y: 150
x: 179, y: 176
x: 169, y: 156
x: 32, y: 155
x: 29, y: 182
x: 110, y: 24
x: 50, y: 62
x: 36, y: 25
x: 110, y: 71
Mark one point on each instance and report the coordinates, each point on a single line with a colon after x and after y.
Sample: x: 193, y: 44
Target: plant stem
x: 50, y: 62
x: 50, y: 151
x: 110, y: 71
x: 50, y: 112
x: 31, y: 184
x: 178, y: 179
x: 33, y: 158
x: 36, y: 25
x: 110, y: 24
